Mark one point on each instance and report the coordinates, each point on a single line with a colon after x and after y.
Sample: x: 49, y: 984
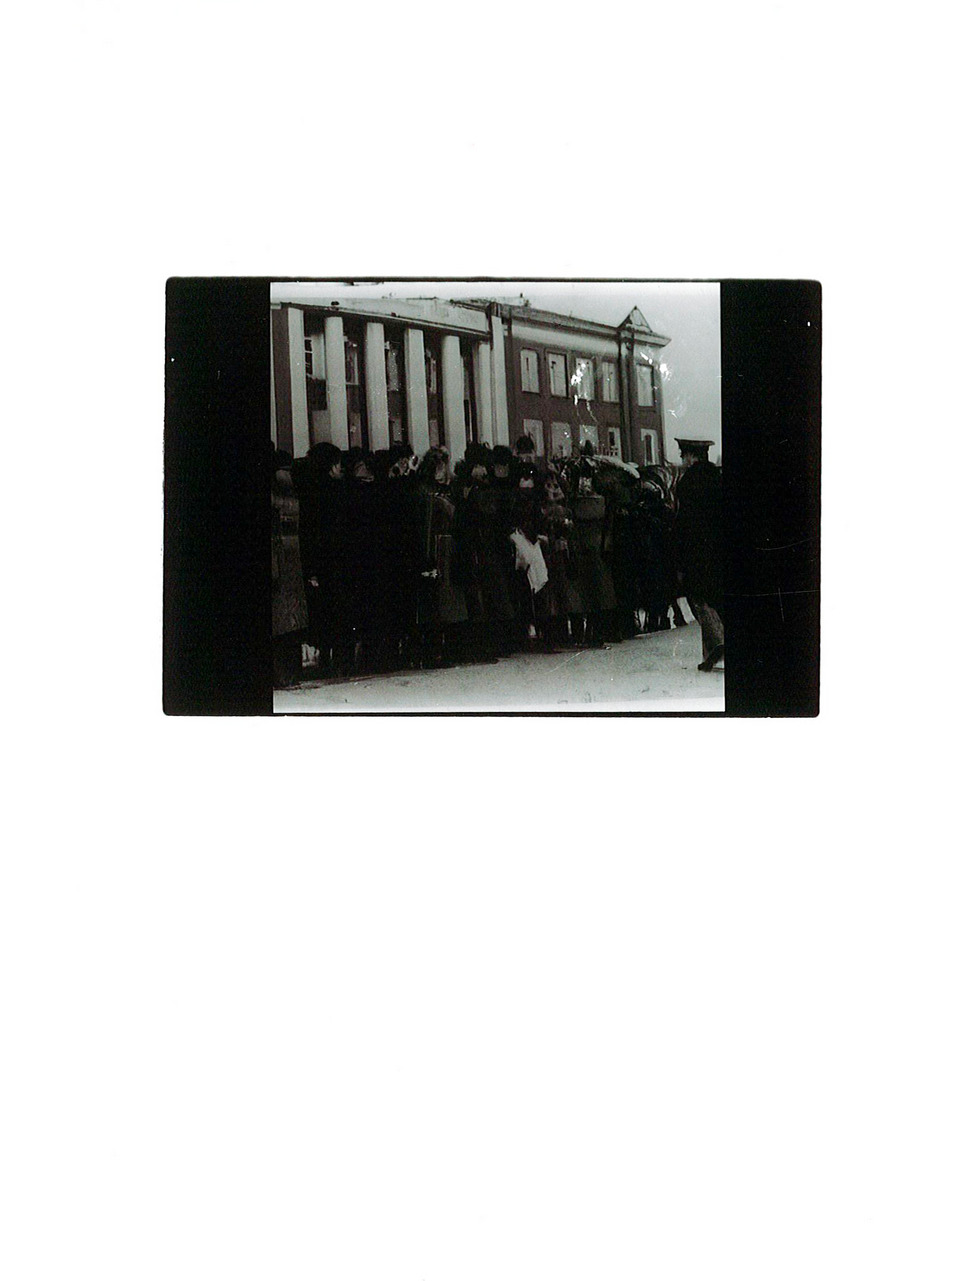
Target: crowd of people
x: 388, y: 561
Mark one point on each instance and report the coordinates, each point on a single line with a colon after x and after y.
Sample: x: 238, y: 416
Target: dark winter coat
x: 321, y: 551
x: 558, y: 524
x: 492, y: 516
x: 440, y: 599
x: 626, y: 548
x: 593, y: 573
x: 289, y: 601
x: 657, y: 577
x: 466, y: 537
x: 362, y: 535
x: 698, y: 533
x: 400, y: 564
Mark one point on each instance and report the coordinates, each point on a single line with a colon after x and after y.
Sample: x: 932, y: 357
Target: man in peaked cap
x: 694, y: 451
x: 699, y: 534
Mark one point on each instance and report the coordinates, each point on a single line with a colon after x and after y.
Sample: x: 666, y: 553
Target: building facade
x: 371, y: 373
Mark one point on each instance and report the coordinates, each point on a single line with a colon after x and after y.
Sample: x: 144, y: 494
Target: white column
x: 336, y: 381
x: 454, y: 427
x: 298, y: 384
x: 375, y: 367
x: 415, y: 381
x: 501, y: 425
x: 483, y: 381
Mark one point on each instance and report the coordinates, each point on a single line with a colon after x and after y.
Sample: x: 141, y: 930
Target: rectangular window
x: 533, y: 428
x: 393, y: 368
x: 558, y: 373
x: 588, y: 431
x: 608, y: 374
x: 431, y: 372
x: 583, y: 388
x: 466, y: 364
x: 351, y: 354
x: 561, y: 440
x: 529, y: 371
x: 650, y: 446
x: 308, y: 357
x: 645, y: 386
x: 318, y: 357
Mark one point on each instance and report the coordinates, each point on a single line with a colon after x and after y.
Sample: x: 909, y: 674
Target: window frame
x: 584, y: 431
x: 649, y: 436
x: 615, y: 398
x: 350, y: 347
x: 471, y: 412
x: 558, y: 395
x: 568, y: 427
x: 530, y: 351
x: 393, y: 351
x: 587, y: 363
x: 533, y: 427
x: 652, y: 403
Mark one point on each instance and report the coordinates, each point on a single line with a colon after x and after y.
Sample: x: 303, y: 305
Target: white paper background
x: 446, y: 1001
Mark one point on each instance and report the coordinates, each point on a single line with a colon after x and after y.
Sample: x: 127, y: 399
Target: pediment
x: 637, y: 320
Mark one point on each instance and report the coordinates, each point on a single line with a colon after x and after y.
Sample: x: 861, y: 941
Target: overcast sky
x: 687, y: 314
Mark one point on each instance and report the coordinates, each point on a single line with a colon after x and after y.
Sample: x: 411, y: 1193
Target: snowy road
x: 656, y: 673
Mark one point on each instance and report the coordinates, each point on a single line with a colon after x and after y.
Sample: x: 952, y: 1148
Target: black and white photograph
x: 464, y: 822
x: 496, y: 496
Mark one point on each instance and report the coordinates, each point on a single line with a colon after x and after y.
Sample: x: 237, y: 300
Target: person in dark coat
x: 532, y: 600
x: 526, y: 455
x: 698, y: 537
x: 401, y: 567
x: 319, y: 485
x: 656, y: 577
x: 441, y: 605
x: 621, y: 492
x: 289, y: 601
x: 495, y: 504
x: 362, y: 534
x: 593, y: 581
x: 471, y: 480
x: 558, y: 527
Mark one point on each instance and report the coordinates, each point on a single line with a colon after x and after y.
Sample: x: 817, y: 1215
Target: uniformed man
x: 699, y: 532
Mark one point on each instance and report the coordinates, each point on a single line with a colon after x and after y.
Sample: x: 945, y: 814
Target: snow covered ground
x: 656, y: 673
